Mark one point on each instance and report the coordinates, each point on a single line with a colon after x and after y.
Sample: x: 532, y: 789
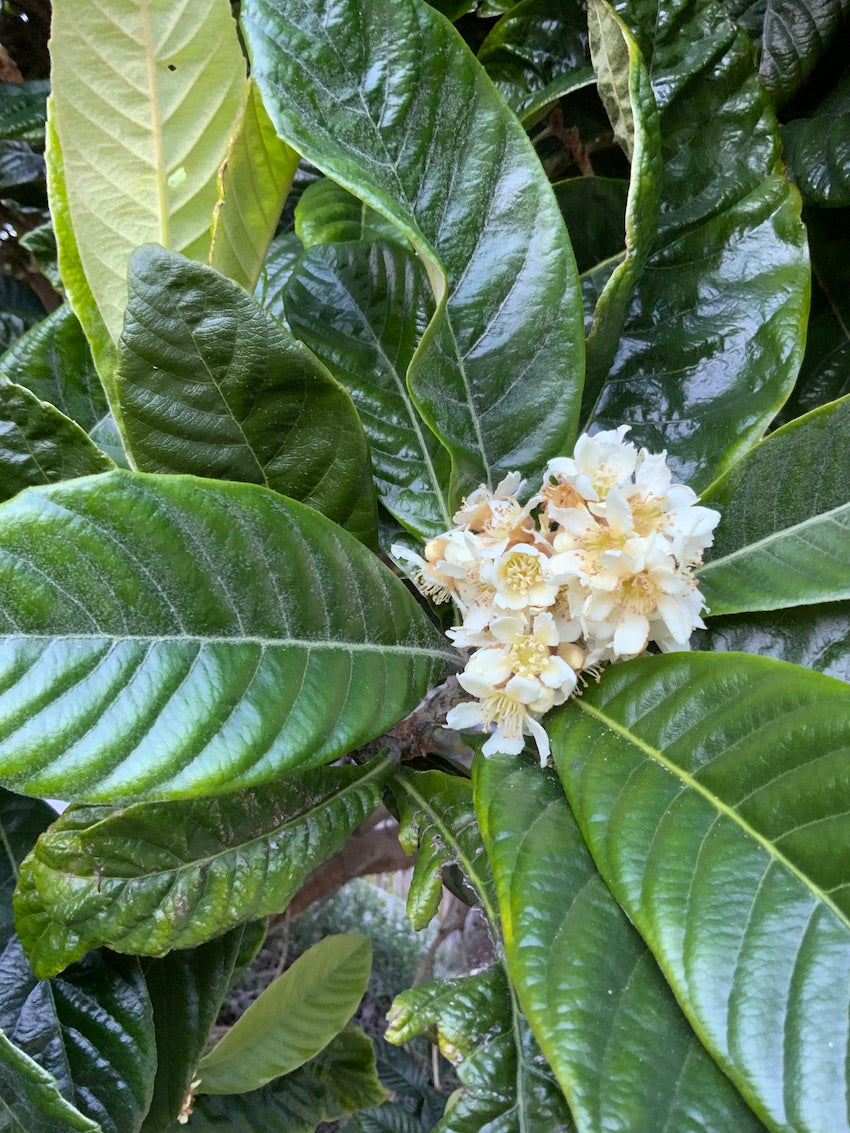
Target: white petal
x: 523, y: 689
x: 632, y: 634
x: 540, y: 738
x: 500, y: 744
x: 468, y: 714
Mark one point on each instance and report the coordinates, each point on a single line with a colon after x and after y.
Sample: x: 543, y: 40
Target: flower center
x: 647, y: 515
x: 639, y: 593
x: 528, y: 656
x: 522, y: 572
x: 604, y: 478
x: 506, y: 712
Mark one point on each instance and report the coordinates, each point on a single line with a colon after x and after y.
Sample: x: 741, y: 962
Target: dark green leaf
x: 209, y: 384
x: 817, y: 637
x: 157, y: 876
x: 41, y: 244
x: 19, y: 310
x: 90, y: 1029
x: 784, y: 532
x: 186, y: 989
x: 713, y: 338
x: 340, y: 1080
x: 136, y: 663
x: 594, y: 996
x: 817, y: 149
x: 328, y: 214
x: 281, y: 259
x: 498, y: 373
x: 791, y: 36
x: 712, y: 790
x: 21, y: 822
x: 19, y: 165
x: 626, y: 91
x: 825, y: 372
x: 505, y: 1084
x: 388, y: 1118
x: 40, y: 445
x: 594, y: 210
x: 294, y: 1018
x: 53, y: 360
x: 23, y: 109
x: 30, y: 1101
x: 537, y: 52
x: 362, y: 309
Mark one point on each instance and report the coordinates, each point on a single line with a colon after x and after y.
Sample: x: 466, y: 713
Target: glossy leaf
x: 40, y: 242
x: 536, y: 53
x: 328, y: 214
x: 590, y: 988
x: 784, y: 532
x: 39, y: 445
x: 437, y: 822
x: 19, y: 165
x: 626, y: 91
x: 284, y: 252
x: 157, y: 106
x: 252, y: 185
x: 186, y: 989
x: 21, y: 822
x: 90, y: 1029
x: 825, y: 372
x: 362, y: 309
x: 19, y: 310
x: 817, y: 637
x: 703, y: 366
x: 30, y: 1099
x: 594, y: 210
x: 340, y: 1080
x: 23, y: 109
x: 53, y: 360
x: 136, y: 665
x: 817, y: 149
x: 498, y: 373
x: 158, y: 876
x: 504, y: 1083
x: 293, y: 1019
x: 791, y: 36
x: 209, y: 384
x: 712, y: 792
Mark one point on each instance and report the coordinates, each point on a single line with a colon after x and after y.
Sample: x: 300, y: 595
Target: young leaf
x: 498, y: 373
x: 730, y: 253
x: 437, y: 822
x: 339, y: 1080
x: 138, y: 665
x: 157, y: 876
x: 40, y: 445
x: 537, y: 53
x: 362, y: 309
x: 626, y: 90
x: 186, y: 989
x: 54, y: 362
x: 784, y: 533
x: 30, y: 1098
x: 293, y: 1019
x: 698, y: 783
x: 252, y: 185
x: 479, y: 1029
x: 209, y: 384
x: 329, y: 214
x: 143, y: 125
x: 593, y: 995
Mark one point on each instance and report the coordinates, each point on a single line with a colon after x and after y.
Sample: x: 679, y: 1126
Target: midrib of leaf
x: 242, y: 639
x: 200, y: 863
x: 4, y: 839
x: 775, y: 536
x: 156, y: 122
x: 723, y: 808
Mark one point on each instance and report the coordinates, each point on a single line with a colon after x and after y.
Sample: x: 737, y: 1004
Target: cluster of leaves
x: 240, y: 403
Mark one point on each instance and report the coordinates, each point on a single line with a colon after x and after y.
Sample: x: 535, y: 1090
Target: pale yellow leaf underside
x: 146, y: 94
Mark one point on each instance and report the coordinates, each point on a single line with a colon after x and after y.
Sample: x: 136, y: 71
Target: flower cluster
x: 595, y: 566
